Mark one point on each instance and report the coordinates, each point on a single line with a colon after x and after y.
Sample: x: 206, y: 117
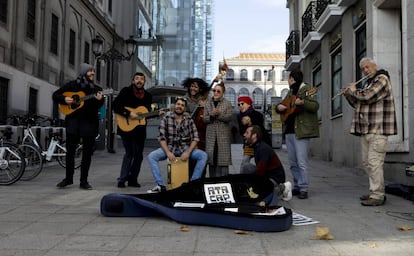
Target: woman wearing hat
x: 248, y: 117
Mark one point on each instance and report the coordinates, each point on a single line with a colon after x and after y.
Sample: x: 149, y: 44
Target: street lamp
x: 111, y: 56
x: 264, y: 94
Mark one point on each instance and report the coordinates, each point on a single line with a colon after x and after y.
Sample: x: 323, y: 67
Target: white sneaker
x: 157, y: 189
x: 287, y: 192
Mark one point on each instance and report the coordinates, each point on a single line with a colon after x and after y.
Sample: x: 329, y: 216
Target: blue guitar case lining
x: 236, y: 201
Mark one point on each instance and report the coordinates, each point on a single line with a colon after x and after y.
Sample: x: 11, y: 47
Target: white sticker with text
x: 218, y: 193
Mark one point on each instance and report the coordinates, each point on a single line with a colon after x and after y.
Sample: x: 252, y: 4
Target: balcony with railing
x: 328, y: 15
x: 293, y: 57
x: 346, y: 3
x: 310, y: 37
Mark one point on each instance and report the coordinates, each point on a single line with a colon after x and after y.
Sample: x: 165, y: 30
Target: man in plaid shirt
x: 374, y: 120
x: 178, y: 137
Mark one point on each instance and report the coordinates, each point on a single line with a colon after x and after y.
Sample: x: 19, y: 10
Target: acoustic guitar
x: 79, y: 98
x: 128, y: 124
x: 290, y: 103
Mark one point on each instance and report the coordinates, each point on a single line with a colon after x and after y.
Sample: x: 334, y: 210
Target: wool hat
x: 84, y: 68
x: 245, y: 99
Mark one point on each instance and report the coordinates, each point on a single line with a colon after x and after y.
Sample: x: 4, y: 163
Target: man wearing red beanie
x: 247, y: 117
x: 245, y: 99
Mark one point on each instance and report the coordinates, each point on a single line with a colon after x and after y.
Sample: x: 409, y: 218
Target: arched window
x: 285, y: 75
x: 257, y: 75
x: 257, y: 98
x: 244, y: 92
x: 230, y: 95
x: 269, y: 94
x: 243, y: 75
x: 230, y: 75
x: 270, y: 75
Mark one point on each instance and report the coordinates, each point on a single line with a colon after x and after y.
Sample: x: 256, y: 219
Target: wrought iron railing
x: 309, y: 19
x: 292, y: 44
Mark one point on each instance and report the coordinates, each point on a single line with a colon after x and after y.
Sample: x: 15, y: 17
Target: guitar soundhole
x: 76, y: 104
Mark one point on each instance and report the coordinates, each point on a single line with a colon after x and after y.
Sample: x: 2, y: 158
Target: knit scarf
x: 139, y: 93
x: 84, y: 83
x: 246, y: 113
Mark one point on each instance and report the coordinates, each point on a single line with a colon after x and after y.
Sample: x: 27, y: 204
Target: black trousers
x: 72, y: 141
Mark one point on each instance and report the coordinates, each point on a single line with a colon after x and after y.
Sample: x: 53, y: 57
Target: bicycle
x: 12, y: 165
x: 34, y: 154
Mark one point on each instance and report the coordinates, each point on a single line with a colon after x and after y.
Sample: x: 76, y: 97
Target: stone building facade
x: 327, y: 40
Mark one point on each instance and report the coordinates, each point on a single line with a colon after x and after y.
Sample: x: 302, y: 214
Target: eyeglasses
x: 240, y: 104
x: 180, y: 98
x: 215, y: 90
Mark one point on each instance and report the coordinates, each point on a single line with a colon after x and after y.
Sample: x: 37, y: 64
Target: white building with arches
x: 258, y: 75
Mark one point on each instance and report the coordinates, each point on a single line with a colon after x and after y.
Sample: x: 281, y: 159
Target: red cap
x: 245, y: 99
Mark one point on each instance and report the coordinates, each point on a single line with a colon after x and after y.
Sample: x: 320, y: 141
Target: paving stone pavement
x: 37, y: 219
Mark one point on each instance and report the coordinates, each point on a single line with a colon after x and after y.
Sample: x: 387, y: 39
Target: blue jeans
x: 298, y: 159
x: 159, y: 155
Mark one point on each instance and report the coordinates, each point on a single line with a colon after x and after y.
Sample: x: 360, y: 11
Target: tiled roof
x: 259, y: 56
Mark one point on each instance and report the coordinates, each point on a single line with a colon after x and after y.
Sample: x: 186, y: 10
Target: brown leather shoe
x: 373, y: 202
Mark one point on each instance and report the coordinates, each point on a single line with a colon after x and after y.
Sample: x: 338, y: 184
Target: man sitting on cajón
x: 178, y: 137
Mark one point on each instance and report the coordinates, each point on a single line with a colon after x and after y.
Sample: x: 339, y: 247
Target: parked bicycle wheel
x: 33, y: 161
x: 62, y: 159
x: 12, y: 164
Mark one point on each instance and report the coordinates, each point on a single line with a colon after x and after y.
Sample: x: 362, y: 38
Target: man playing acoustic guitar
x: 82, y: 123
x: 298, y: 127
x: 131, y: 108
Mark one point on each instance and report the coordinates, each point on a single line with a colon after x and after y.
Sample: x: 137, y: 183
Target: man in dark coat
x: 267, y: 163
x: 129, y: 105
x: 81, y: 123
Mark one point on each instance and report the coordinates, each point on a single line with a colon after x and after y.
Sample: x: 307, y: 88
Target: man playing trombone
x: 374, y: 120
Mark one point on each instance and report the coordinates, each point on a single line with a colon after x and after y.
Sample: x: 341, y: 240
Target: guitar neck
x: 153, y: 113
x: 87, y: 97
x: 90, y: 96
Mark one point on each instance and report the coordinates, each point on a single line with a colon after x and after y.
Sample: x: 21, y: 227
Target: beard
x: 89, y: 78
x: 139, y: 86
x: 178, y: 113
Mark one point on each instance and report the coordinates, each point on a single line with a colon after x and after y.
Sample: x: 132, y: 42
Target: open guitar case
x: 241, y: 201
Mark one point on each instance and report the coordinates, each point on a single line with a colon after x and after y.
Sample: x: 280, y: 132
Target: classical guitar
x: 290, y: 103
x: 79, y: 98
x: 128, y: 124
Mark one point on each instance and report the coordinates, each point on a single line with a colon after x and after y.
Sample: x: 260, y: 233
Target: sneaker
x: 121, y: 184
x: 157, y: 189
x: 373, y: 202
x: 287, y: 191
x: 364, y: 197
x: 64, y: 183
x: 85, y: 186
x: 303, y: 195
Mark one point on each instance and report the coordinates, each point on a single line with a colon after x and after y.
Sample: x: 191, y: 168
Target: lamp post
x: 112, y: 55
x: 264, y: 93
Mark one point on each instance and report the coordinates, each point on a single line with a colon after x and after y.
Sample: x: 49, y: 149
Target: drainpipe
x: 13, y: 46
x: 62, y: 45
x: 42, y: 40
